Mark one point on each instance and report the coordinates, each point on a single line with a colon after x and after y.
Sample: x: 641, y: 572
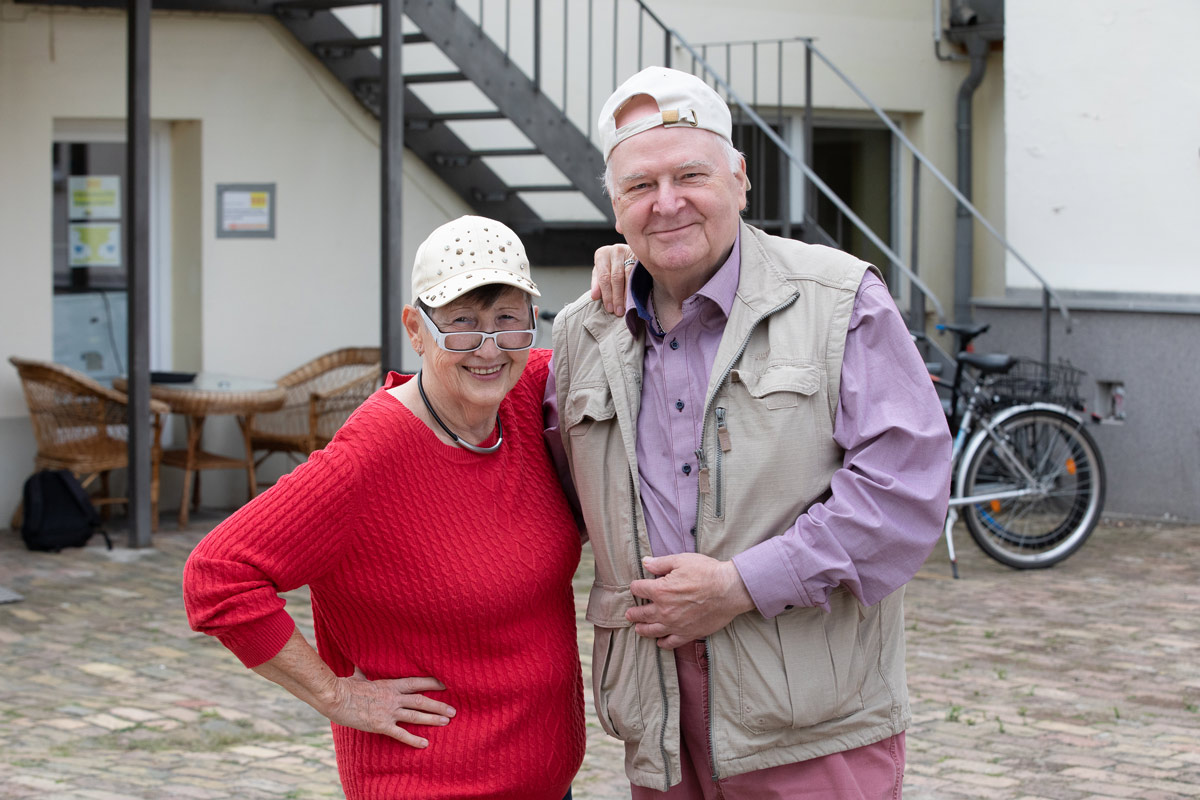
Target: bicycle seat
x: 988, y: 363
x: 970, y: 331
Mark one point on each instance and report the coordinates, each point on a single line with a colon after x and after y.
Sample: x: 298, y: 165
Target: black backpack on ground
x: 58, y: 512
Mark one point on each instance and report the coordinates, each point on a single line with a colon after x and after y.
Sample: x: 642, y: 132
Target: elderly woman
x: 439, y: 549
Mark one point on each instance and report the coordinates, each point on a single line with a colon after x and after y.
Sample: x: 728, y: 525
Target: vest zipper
x: 722, y: 446
x: 662, y: 678
x: 712, y: 756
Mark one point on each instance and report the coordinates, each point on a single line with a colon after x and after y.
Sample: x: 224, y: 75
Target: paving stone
x: 109, y: 722
x: 1063, y: 684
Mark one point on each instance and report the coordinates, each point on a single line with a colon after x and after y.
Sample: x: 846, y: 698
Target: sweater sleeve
x: 287, y: 537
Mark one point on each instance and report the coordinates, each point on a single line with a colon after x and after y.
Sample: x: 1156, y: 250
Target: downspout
x: 964, y: 224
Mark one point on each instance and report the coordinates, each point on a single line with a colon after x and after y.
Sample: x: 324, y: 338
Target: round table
x: 210, y: 393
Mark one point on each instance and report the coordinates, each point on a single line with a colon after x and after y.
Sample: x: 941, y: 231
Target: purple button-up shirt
x: 894, y: 476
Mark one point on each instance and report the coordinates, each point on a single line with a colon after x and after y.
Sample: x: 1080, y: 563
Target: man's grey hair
x: 732, y: 156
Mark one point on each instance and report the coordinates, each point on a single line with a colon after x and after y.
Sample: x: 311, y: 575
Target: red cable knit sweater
x: 422, y: 559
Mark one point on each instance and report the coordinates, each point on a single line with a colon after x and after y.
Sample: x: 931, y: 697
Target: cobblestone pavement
x: 1078, y: 682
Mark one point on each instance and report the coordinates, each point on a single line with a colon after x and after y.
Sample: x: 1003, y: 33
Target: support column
x: 393, y: 342
x: 137, y: 260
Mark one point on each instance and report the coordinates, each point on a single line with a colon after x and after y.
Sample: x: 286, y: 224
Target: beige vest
x: 805, y: 683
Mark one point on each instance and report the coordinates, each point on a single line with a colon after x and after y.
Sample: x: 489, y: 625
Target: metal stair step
x: 435, y: 77
x: 284, y: 6
x: 500, y: 152
x: 423, y: 77
x: 453, y: 116
x: 463, y: 159
x: 545, y: 187
x: 340, y: 48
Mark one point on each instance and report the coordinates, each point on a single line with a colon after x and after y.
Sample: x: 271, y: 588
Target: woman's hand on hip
x: 383, y: 706
x: 373, y: 706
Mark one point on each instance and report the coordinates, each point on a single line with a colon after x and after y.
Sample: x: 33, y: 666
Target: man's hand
x: 610, y: 273
x: 383, y: 706
x: 693, y: 596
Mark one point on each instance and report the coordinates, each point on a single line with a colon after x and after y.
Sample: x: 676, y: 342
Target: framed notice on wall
x: 245, y: 211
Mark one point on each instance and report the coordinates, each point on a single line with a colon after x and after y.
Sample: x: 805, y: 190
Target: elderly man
x: 762, y: 464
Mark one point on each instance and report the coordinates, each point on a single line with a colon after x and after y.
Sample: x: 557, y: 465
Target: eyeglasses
x: 467, y: 341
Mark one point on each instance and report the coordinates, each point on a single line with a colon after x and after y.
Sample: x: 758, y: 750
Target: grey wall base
x: 1153, y: 457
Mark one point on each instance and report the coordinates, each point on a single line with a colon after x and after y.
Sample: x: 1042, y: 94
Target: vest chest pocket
x: 782, y: 385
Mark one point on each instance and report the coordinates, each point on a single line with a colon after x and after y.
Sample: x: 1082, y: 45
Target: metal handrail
x: 806, y: 170
x: 816, y: 180
x: 919, y: 159
x: 598, y: 65
x: 879, y: 112
x: 671, y: 36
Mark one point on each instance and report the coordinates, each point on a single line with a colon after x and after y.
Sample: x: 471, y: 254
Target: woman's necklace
x: 451, y: 434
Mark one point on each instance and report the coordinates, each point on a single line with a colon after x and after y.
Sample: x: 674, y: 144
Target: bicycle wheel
x: 1043, y: 527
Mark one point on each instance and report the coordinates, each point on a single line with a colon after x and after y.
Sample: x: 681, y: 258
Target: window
x: 89, y: 231
x: 90, y: 276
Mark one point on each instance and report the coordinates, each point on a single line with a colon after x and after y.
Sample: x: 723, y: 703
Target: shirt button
x: 687, y: 469
x: 674, y: 344
x: 679, y: 405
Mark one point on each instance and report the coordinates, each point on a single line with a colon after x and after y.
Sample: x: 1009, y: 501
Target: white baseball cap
x: 465, y: 254
x: 683, y: 101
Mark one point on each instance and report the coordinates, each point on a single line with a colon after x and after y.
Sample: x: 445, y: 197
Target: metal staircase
x: 501, y: 96
x: 500, y: 48
x: 505, y: 92
x: 513, y: 80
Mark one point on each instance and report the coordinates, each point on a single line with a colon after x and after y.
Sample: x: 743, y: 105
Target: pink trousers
x: 872, y: 772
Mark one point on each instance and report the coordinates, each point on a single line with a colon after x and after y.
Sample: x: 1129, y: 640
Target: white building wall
x: 268, y: 113
x: 248, y: 104
x: 1103, y: 143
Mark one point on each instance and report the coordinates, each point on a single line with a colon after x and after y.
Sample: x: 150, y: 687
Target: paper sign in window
x: 94, y: 244
x: 94, y: 197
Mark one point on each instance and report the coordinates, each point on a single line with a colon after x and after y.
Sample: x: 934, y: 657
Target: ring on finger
x: 629, y: 262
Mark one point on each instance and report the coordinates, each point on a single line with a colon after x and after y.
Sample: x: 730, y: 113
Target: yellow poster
x: 94, y: 244
x: 94, y: 197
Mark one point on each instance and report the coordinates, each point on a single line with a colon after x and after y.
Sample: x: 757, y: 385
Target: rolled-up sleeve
x: 284, y: 538
x: 888, y: 500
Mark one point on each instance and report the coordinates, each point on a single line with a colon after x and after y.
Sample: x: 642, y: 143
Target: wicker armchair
x: 82, y: 426
x: 321, y: 395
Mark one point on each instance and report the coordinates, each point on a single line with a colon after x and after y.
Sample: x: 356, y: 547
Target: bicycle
x: 1028, y: 477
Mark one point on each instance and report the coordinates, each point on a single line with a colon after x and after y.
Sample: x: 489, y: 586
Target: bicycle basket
x: 1029, y: 381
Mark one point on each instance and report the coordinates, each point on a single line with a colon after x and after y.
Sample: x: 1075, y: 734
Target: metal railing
x: 713, y: 51
x: 604, y: 41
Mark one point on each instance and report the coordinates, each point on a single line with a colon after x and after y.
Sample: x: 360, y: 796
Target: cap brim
x: 453, y: 288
